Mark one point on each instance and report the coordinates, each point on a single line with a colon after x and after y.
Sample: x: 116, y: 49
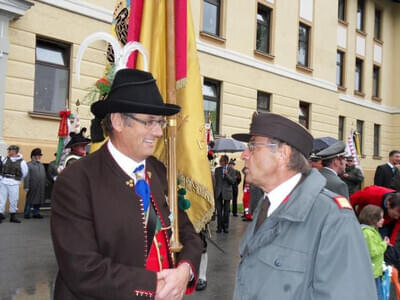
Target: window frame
x: 378, y: 26
x: 259, y: 95
x: 376, y: 86
x: 66, y: 52
x: 218, y: 4
x: 377, y: 133
x: 269, y: 10
x: 341, y: 66
x: 307, y: 43
x: 307, y: 117
x: 358, y: 88
x: 341, y: 123
x: 360, y: 130
x: 342, y: 11
x: 218, y: 84
x: 360, y: 15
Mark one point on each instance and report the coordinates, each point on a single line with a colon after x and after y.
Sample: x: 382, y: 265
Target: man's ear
x: 284, y: 152
x: 117, y: 122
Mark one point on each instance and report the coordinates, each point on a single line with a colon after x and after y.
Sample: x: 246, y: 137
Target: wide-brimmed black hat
x: 278, y: 127
x: 133, y: 91
x: 36, y: 152
x: 77, y: 138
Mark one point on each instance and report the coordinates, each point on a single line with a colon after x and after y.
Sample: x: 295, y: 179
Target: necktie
x: 263, y: 213
x: 142, y: 188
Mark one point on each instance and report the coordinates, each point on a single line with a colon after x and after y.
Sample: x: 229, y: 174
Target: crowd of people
x: 111, y: 224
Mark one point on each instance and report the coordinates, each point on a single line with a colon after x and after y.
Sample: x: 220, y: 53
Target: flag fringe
x: 201, y: 191
x: 181, y: 83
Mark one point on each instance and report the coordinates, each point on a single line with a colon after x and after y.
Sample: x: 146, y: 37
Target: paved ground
x: 28, y: 267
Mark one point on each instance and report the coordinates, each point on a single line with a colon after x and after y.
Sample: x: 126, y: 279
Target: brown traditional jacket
x: 99, y: 235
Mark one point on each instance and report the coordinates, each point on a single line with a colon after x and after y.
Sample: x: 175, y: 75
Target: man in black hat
x: 334, y: 162
x: 77, y: 146
x: 35, y: 185
x: 235, y: 186
x: 14, y: 171
x: 110, y: 223
x: 304, y: 242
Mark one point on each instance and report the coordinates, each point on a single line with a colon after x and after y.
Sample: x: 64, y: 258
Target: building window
x: 304, y: 114
x: 360, y: 15
x: 339, y: 68
x: 375, y: 87
x: 211, y: 100
x: 51, y: 77
x: 342, y: 10
x: 341, y: 128
x: 304, y: 40
x: 211, y: 16
x: 263, y: 28
x: 360, y: 131
x: 377, y: 129
x: 263, y: 101
x: 378, y: 24
x: 358, y: 78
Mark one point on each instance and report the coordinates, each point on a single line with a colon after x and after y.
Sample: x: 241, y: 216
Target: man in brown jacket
x: 111, y: 243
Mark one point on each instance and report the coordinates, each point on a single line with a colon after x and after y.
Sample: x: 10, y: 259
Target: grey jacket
x: 223, y: 183
x: 354, y: 179
x: 334, y: 183
x: 309, y: 248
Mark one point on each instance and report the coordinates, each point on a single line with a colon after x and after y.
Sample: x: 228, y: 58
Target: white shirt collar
x: 390, y: 165
x: 127, y: 164
x: 332, y: 170
x: 278, y: 194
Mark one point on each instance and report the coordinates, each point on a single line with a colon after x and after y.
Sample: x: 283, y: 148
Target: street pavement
x: 28, y: 266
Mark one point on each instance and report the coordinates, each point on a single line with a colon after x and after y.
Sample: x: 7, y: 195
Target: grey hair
x: 297, y: 161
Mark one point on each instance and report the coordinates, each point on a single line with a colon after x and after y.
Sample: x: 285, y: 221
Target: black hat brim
x: 103, y: 107
x: 243, y: 137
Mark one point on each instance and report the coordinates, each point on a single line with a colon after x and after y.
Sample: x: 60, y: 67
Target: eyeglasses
x: 151, y: 124
x: 252, y: 145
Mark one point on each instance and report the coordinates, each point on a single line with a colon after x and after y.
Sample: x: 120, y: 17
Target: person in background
x: 333, y: 160
x: 35, y: 185
x: 371, y: 219
x: 223, y: 193
x: 77, y: 144
x: 315, y: 161
x: 51, y: 173
x: 352, y: 176
x: 384, y: 173
x: 385, y: 198
x: 235, y: 187
x: 14, y: 171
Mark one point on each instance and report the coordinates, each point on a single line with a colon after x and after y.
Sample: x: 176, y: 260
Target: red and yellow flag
x: 148, y: 25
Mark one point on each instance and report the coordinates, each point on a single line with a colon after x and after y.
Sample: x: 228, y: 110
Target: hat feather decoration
x: 121, y: 57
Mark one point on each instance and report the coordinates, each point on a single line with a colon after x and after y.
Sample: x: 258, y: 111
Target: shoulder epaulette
x: 342, y: 202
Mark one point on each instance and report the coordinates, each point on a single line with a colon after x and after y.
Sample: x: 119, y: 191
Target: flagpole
x: 176, y: 246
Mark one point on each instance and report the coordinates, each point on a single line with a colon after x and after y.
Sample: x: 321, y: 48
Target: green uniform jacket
x: 309, y: 248
x: 376, y: 247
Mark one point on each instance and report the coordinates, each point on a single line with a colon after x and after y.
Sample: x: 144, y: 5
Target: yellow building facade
x: 332, y: 65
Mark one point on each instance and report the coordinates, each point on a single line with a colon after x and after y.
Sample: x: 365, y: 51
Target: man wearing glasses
x: 304, y: 242
x: 334, y: 162
x: 111, y: 223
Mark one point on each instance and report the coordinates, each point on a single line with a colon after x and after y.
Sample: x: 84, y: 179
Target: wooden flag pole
x: 176, y: 246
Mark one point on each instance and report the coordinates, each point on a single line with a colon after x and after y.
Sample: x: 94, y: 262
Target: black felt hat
x: 278, y: 127
x: 133, y: 91
x: 77, y: 138
x: 36, y: 151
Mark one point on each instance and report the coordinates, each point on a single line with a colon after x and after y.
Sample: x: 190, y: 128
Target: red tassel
x: 63, y: 128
